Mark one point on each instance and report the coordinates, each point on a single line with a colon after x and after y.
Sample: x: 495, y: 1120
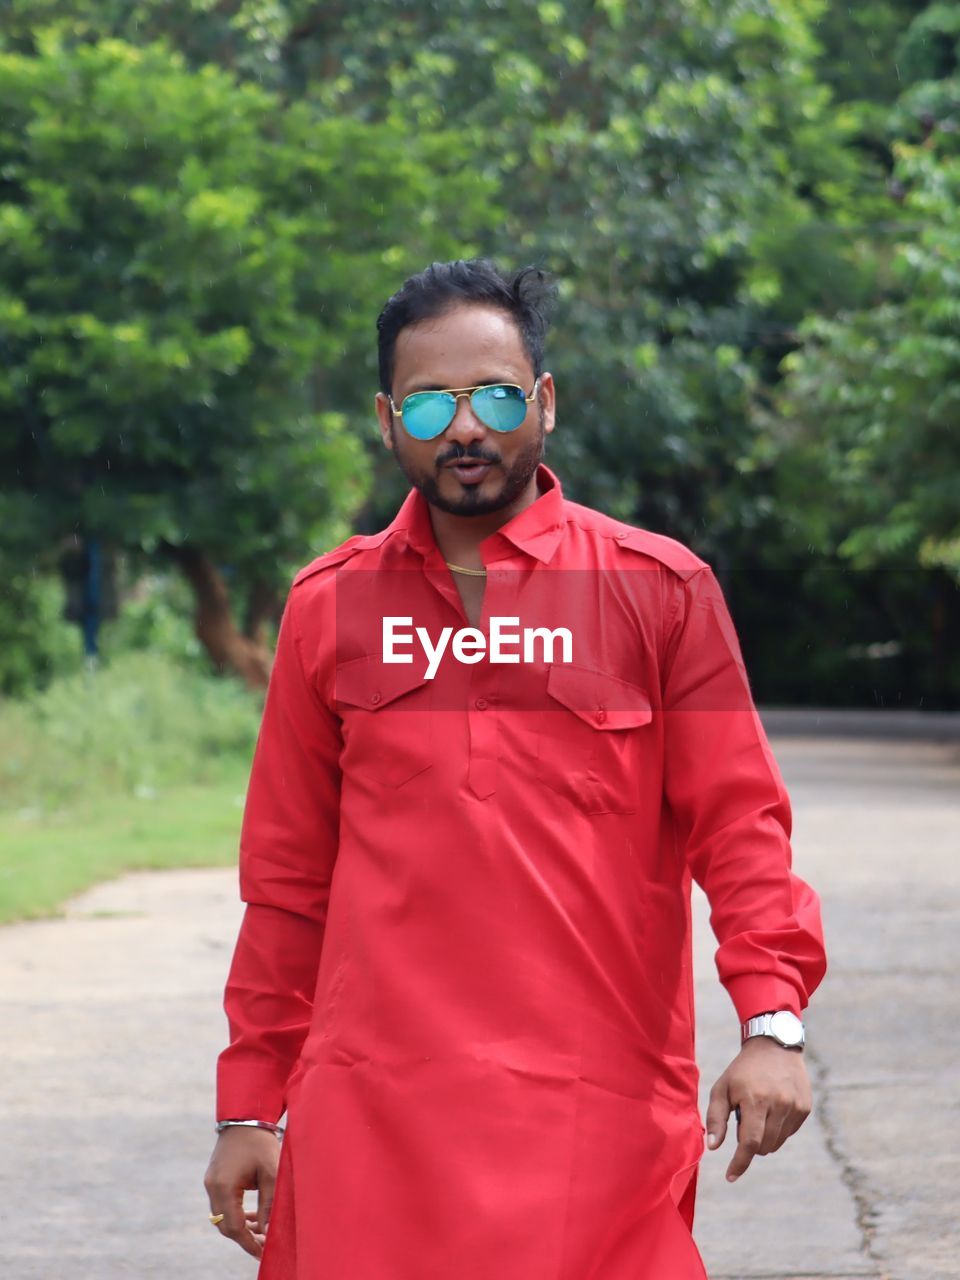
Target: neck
x: 458, y: 537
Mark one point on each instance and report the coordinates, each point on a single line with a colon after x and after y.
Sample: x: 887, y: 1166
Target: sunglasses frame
x: 457, y: 392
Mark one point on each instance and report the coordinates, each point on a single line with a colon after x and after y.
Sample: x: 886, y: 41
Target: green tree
x: 679, y: 164
x: 873, y: 395
x: 686, y: 171
x: 680, y: 167
x: 865, y: 434
x: 183, y: 261
x: 860, y: 50
x: 703, y: 178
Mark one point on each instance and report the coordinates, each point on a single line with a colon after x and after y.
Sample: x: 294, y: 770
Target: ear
x: 384, y: 419
x: 548, y: 402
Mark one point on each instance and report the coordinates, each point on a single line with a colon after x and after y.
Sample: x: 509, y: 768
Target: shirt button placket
x: 482, y: 725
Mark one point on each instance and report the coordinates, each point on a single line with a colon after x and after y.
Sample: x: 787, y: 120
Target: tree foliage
x: 750, y: 209
x: 680, y: 167
x: 873, y: 396
x: 182, y: 260
x: 678, y: 164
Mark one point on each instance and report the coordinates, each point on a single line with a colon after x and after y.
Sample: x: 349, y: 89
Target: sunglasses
x: 501, y: 407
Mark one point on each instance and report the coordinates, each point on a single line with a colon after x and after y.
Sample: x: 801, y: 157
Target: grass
x: 140, y: 764
x: 47, y: 858
x: 140, y: 723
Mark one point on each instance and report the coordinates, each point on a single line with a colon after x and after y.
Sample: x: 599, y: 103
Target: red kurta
x: 464, y: 968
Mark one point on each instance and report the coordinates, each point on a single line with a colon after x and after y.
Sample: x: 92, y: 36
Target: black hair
x: 525, y: 295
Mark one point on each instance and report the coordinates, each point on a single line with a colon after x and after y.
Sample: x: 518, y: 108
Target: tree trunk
x: 263, y: 606
x: 231, y: 650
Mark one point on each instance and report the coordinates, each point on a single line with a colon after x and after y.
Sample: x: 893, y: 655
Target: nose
x: 465, y: 426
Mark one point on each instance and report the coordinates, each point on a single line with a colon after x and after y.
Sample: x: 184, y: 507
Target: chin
x: 471, y: 504
x: 446, y: 491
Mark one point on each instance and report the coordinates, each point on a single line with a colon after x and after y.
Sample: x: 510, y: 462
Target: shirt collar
x: 536, y: 530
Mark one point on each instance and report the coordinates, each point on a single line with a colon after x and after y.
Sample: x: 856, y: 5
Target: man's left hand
x: 771, y: 1087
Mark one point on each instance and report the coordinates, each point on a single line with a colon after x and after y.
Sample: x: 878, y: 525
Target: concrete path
x: 110, y: 1025
x: 870, y: 1185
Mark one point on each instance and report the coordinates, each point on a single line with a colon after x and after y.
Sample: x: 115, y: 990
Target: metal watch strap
x: 250, y: 1124
x: 762, y: 1024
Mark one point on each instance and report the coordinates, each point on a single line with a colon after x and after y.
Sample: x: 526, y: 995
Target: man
x: 464, y: 968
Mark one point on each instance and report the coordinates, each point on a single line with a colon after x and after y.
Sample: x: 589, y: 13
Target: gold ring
x: 217, y: 1217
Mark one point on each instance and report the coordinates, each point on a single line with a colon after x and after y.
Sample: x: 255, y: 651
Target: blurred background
x: 751, y: 210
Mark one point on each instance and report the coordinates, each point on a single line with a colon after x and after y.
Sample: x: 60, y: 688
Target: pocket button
x: 601, y: 715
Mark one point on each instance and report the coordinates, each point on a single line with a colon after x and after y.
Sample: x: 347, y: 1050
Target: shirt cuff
x: 754, y: 993
x: 245, y: 1096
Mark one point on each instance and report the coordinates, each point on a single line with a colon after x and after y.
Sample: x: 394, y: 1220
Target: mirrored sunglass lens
x: 503, y: 408
x: 427, y: 413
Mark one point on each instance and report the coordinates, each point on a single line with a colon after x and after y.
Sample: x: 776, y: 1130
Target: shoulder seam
x: 660, y: 547
x: 336, y: 555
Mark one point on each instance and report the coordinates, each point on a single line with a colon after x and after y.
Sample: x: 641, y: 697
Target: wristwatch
x: 781, y: 1025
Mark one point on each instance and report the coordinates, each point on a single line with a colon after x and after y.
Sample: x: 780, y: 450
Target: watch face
x: 787, y: 1027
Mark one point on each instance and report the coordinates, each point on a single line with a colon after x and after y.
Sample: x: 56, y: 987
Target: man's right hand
x: 243, y: 1159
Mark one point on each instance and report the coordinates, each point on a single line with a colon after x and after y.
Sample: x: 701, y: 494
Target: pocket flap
x: 601, y: 700
x: 371, y: 683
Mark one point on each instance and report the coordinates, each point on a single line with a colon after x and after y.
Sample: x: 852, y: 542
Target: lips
x: 468, y: 471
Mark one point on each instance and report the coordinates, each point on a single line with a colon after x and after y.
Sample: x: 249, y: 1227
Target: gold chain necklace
x: 474, y: 573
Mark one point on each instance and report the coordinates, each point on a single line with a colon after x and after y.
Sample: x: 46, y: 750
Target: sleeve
x: 288, y: 847
x: 732, y: 811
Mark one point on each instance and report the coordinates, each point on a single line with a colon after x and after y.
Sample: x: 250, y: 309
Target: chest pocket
x: 594, y: 739
x: 387, y: 719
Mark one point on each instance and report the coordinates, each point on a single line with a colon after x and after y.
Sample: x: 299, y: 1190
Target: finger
x: 234, y: 1225
x: 749, y: 1140
x: 243, y: 1236
x: 772, y: 1129
x: 794, y: 1118
x: 249, y: 1242
x: 717, y: 1112
x: 264, y: 1201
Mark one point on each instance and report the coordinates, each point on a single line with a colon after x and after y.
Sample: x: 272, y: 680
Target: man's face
x: 469, y: 346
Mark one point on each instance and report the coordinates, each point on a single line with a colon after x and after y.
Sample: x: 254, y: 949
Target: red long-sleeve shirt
x: 464, y: 967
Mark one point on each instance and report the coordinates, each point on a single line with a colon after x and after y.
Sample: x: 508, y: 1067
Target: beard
x: 470, y: 503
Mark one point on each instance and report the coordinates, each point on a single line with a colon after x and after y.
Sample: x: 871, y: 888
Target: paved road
x: 111, y: 1023
x: 871, y: 1183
